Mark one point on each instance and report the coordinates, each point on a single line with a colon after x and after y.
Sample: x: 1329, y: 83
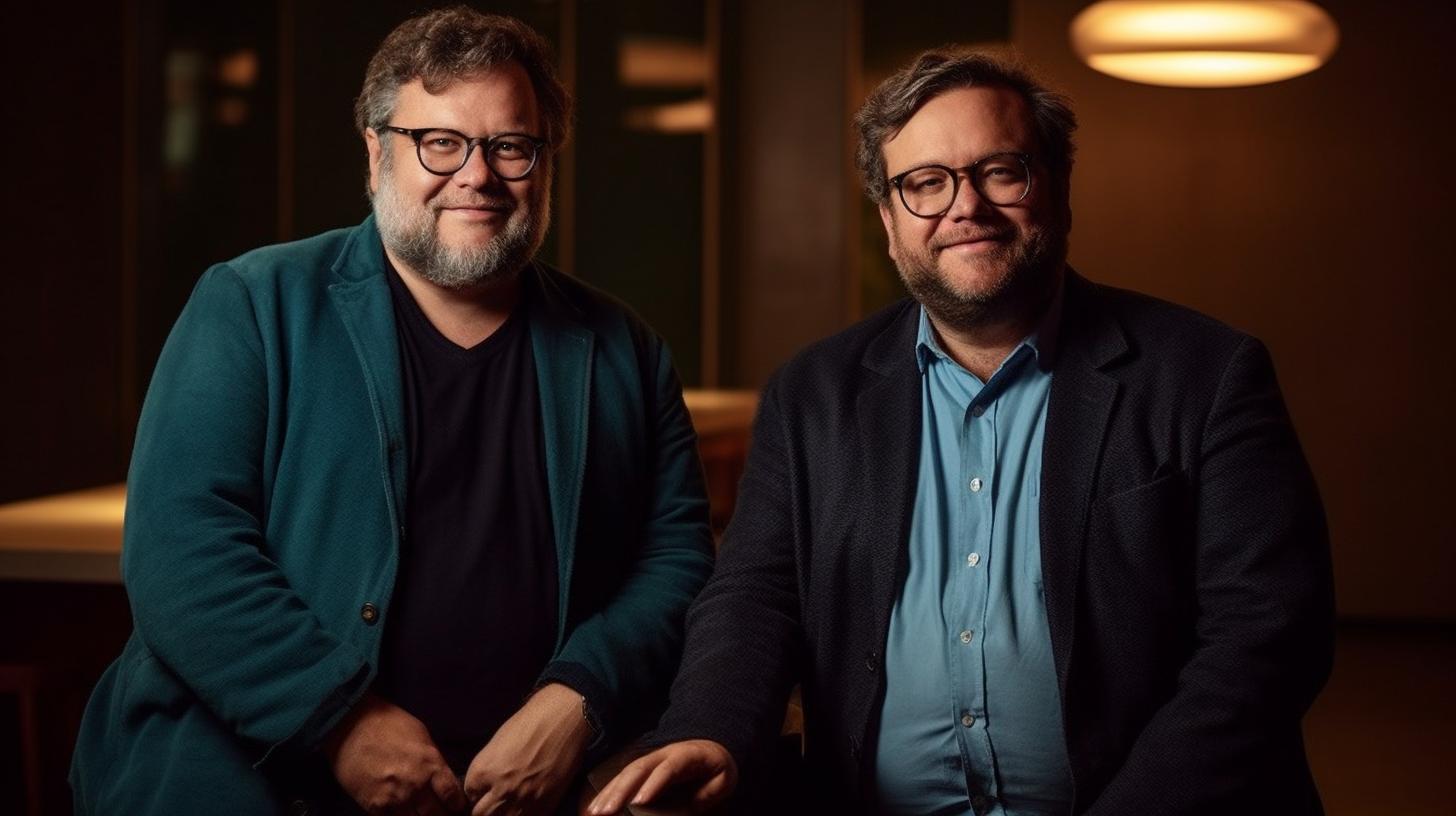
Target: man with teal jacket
x: 412, y: 518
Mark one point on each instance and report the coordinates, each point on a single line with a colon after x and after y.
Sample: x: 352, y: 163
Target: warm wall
x: 1311, y: 213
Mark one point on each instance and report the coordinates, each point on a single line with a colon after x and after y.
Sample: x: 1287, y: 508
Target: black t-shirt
x: 473, y: 619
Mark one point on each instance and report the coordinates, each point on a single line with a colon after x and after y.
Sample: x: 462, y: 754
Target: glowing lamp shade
x: 1204, y: 43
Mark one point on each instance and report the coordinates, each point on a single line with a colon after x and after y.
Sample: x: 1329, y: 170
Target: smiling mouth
x: 973, y: 242
x: 486, y: 213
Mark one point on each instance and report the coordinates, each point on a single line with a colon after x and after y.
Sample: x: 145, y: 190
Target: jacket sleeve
x: 1264, y: 625
x: 619, y: 658
x: 207, y: 600
x: 744, y: 648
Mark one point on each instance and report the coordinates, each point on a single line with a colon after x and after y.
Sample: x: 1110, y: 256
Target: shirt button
x: 976, y: 485
x: 370, y: 613
x: 978, y: 410
x: 966, y: 636
x: 967, y: 720
x: 973, y: 559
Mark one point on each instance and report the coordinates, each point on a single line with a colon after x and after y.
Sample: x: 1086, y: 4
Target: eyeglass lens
x: 445, y: 152
x: 1001, y: 180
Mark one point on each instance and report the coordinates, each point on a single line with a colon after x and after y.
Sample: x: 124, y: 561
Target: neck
x: 982, y: 347
x: 465, y: 316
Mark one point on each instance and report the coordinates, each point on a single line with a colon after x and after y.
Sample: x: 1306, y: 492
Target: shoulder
x: 881, y: 341
x: 609, y: 318
x: 283, y: 276
x: 888, y: 331
x: 819, y: 388
x: 1157, y: 333
x: 309, y: 260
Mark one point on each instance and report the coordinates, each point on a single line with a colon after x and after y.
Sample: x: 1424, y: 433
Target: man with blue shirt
x: 1029, y: 544
x: 413, y: 518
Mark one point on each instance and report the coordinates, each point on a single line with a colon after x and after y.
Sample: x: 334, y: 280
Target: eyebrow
x: 984, y: 156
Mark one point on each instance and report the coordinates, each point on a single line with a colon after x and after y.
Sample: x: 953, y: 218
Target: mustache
x: 475, y: 202
x: 962, y: 236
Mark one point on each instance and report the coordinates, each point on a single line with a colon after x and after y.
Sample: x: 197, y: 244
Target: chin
x: 975, y: 280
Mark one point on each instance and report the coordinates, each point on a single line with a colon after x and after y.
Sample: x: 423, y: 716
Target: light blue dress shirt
x: 972, y: 721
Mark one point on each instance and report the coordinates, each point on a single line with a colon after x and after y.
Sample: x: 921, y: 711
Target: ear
x: 371, y: 144
x: 887, y: 217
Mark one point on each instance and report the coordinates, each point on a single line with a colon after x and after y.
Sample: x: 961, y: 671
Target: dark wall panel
x: 61, y: 291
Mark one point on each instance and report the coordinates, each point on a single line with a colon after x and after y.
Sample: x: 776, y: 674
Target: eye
x: 925, y: 181
x: 507, y: 148
x: 1003, y: 171
x: 440, y: 143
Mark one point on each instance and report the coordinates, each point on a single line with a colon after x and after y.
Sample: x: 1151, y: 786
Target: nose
x: 476, y: 171
x: 967, y: 202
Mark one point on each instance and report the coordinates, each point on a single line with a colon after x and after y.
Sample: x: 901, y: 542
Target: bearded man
x: 412, y: 518
x: 1030, y: 545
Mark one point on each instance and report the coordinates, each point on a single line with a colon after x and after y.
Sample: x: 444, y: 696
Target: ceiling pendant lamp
x: 1204, y: 43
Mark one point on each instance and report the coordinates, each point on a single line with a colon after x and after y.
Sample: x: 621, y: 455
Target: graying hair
x: 448, y: 44
x: 934, y: 72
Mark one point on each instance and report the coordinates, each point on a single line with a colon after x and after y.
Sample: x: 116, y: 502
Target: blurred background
x: 710, y: 184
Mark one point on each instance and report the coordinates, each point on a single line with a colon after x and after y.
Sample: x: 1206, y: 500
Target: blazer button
x: 872, y: 661
x: 370, y: 613
x: 298, y: 808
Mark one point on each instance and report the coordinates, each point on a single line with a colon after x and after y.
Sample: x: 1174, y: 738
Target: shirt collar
x: 1042, y: 341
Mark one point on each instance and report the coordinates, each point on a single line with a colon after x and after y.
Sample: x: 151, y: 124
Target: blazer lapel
x: 1081, y: 402
x: 361, y: 295
x: 563, y: 350
x: 888, y: 415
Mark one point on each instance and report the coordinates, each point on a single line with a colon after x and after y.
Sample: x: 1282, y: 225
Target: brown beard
x: 1033, y: 266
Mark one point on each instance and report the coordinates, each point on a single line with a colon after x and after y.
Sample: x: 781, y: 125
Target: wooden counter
x: 72, y: 537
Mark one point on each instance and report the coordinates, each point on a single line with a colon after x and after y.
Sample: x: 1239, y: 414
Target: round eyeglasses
x: 1002, y: 179
x: 510, y: 156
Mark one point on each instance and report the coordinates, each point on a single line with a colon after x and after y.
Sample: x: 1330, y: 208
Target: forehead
x: 960, y: 126
x: 494, y: 101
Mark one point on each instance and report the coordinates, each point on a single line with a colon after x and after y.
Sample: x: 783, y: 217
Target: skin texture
x: 985, y: 273
x: 701, y: 766
x: 527, y: 765
x: 385, y: 760
x: 471, y: 213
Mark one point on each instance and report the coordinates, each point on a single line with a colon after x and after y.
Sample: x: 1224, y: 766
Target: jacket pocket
x: 1141, y: 543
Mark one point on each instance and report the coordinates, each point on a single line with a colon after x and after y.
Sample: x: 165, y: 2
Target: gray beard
x: 411, y: 234
x: 1034, y: 266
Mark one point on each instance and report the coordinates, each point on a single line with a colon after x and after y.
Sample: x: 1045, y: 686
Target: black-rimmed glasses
x: 1002, y: 179
x: 510, y: 156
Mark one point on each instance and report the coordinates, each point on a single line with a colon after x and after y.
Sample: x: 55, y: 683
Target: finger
x: 487, y: 805
x: 668, y: 772
x: 477, y: 781
x: 714, y: 791
x: 426, y: 803
x: 448, y: 790
x: 623, y: 785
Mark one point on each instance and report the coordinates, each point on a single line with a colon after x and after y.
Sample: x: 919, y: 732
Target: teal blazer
x: 266, y: 506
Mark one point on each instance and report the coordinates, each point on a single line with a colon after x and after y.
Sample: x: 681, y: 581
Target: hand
x: 703, y: 766
x: 533, y: 756
x: 385, y: 760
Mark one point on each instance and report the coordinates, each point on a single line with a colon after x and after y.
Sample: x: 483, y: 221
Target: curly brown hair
x: 445, y: 45
x: 934, y: 72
